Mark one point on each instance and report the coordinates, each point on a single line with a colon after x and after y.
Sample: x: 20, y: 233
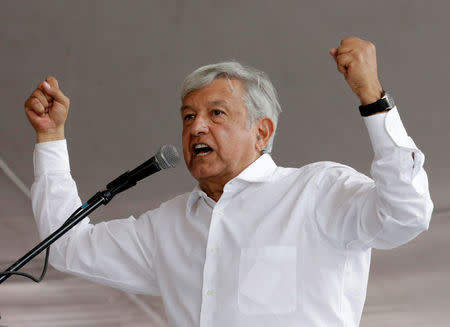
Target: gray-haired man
x: 253, y: 244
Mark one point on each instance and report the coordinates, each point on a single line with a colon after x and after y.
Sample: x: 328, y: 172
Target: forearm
x: 111, y: 253
x: 54, y: 194
x: 383, y: 212
x: 402, y: 201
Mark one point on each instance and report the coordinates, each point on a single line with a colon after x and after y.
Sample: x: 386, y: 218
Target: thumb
x: 333, y: 52
x: 52, y: 81
x: 50, y: 87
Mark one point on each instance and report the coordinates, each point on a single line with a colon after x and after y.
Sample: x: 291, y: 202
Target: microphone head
x: 167, y: 156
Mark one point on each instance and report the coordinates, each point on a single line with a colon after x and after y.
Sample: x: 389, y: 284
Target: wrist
x: 371, y: 97
x: 384, y: 104
x: 50, y: 136
x: 370, y: 94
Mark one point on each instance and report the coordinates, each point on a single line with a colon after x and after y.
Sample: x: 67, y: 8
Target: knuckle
x: 368, y: 46
x: 347, y: 39
x: 359, y: 56
x: 35, y: 106
x: 38, y: 94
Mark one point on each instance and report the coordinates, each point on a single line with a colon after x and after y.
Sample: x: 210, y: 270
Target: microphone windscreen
x: 167, y: 156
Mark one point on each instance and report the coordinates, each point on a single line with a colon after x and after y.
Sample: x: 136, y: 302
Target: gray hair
x: 260, y: 98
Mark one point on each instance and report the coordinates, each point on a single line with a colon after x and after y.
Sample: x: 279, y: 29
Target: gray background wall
x: 122, y: 63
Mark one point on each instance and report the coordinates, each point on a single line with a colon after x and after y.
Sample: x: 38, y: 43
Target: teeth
x: 202, y: 149
x: 199, y: 146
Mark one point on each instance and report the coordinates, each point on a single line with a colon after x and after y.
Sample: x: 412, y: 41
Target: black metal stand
x: 166, y: 157
x: 93, y: 203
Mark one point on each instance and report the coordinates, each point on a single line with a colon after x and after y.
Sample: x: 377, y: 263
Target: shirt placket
x: 209, y: 288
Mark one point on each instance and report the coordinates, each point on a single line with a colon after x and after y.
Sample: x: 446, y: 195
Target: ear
x: 264, y: 131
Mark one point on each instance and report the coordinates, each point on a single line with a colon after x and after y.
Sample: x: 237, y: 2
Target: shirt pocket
x: 267, y: 280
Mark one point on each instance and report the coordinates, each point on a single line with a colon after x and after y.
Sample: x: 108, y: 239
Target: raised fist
x: 356, y: 59
x: 47, y: 109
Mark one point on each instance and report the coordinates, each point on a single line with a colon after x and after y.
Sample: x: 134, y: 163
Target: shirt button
x: 209, y: 292
x: 219, y: 212
x: 213, y: 250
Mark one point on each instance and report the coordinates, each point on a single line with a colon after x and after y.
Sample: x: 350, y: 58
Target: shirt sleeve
x: 118, y: 253
x: 383, y: 212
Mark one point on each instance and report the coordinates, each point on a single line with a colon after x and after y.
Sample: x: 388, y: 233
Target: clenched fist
x: 357, y: 60
x: 47, y: 109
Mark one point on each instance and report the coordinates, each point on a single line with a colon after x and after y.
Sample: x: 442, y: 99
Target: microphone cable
x: 146, y: 309
x: 16, y: 180
x: 166, y: 157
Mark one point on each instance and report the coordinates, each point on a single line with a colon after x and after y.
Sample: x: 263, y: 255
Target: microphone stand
x: 118, y: 185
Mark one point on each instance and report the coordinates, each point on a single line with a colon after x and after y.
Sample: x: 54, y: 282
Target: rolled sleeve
x: 117, y: 253
x: 49, y: 157
x: 383, y: 212
x: 402, y: 201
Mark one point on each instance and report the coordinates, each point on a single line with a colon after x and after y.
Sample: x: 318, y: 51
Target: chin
x: 203, y: 172
x: 200, y: 175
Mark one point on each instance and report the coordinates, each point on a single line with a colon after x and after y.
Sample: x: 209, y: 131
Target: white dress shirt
x: 282, y: 246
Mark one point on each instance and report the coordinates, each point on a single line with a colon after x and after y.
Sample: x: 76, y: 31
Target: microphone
x: 166, y: 157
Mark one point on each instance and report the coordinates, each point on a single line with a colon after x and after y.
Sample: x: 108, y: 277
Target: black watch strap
x: 386, y: 103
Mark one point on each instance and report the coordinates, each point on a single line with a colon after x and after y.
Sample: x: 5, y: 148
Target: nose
x: 199, y: 125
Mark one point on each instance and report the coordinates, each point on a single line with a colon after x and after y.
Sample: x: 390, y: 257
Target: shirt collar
x: 261, y: 170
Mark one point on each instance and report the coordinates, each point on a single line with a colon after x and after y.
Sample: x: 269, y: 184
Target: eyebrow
x: 209, y: 103
x: 217, y: 102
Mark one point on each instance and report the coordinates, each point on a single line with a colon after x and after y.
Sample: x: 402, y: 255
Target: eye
x: 188, y: 117
x: 217, y: 112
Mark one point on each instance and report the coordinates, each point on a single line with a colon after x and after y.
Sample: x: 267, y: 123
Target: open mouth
x: 202, y: 149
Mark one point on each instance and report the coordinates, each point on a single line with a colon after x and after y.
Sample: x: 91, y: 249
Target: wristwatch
x: 386, y: 103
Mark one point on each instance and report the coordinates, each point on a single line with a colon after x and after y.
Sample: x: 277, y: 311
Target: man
x: 253, y: 244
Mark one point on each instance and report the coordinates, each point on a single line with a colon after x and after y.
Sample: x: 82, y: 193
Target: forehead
x: 221, y: 90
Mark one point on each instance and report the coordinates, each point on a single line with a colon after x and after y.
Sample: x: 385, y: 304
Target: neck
x: 213, y: 186
x: 213, y: 190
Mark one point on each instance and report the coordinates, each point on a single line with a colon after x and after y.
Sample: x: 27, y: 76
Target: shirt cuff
x: 51, y: 157
x: 386, y: 131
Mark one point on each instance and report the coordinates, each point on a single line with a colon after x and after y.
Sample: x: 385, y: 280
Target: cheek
x: 185, y: 145
x: 235, y: 141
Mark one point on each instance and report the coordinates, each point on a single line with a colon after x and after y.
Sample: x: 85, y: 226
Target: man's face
x: 217, y: 145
